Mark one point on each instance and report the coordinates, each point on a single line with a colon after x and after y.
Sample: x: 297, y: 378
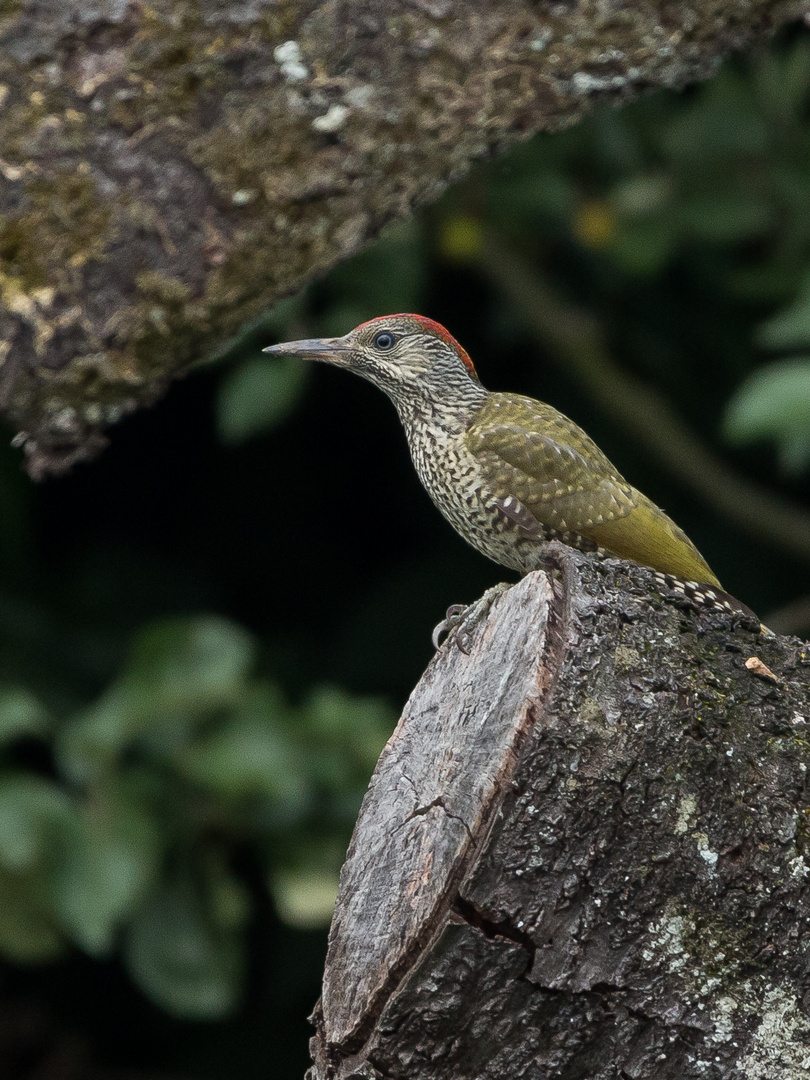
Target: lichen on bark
x: 583, y: 851
x: 170, y: 169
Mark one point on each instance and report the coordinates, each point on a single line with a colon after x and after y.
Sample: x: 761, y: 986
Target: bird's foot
x: 451, y: 620
x: 461, y: 619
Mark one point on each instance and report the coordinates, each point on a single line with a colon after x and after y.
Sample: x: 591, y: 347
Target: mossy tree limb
x: 169, y: 169
x: 584, y: 852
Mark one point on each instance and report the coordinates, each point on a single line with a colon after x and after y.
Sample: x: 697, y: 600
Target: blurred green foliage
x: 772, y: 403
x: 204, y: 637
x: 186, y: 754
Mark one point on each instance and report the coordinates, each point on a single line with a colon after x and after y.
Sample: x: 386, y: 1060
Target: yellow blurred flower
x: 460, y: 238
x: 595, y: 223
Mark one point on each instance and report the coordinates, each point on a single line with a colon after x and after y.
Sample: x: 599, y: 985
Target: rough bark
x: 583, y: 853
x: 168, y: 170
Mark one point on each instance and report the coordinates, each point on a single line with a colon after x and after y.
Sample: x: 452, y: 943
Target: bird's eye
x: 383, y: 341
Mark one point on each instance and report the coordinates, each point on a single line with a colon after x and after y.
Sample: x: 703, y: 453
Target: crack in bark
x: 420, y: 811
x: 470, y: 914
x: 606, y: 992
x: 684, y: 973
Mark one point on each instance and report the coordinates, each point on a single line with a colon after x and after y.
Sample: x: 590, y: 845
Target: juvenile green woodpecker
x: 509, y: 473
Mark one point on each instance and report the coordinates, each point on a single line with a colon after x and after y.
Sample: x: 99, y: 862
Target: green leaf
x: 794, y: 452
x: 229, y: 900
x: 721, y: 123
x: 28, y: 934
x: 645, y: 246
x: 343, y: 314
x: 179, y: 671
x: 106, y: 862
x: 249, y: 755
x: 532, y: 195
x: 774, y: 403
x: 789, y: 328
x: 783, y: 81
x: 387, y: 276
x: 725, y: 217
x: 281, y: 323
x: 183, y: 959
x: 181, y: 663
x: 257, y: 395
x: 615, y: 141
x: 361, y: 724
x: 31, y: 809
x: 762, y: 282
x: 285, y: 314
x: 20, y: 714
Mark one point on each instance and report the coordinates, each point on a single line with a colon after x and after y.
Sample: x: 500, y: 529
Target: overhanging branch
x: 168, y: 170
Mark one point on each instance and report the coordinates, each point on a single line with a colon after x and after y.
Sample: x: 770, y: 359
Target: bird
x: 509, y: 473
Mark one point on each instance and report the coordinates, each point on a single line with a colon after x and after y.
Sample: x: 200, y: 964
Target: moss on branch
x: 170, y: 169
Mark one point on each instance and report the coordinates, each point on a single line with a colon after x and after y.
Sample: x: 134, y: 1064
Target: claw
x: 461, y: 619
x: 452, y: 617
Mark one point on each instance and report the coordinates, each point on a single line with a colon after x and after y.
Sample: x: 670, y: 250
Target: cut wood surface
x: 584, y: 852
x: 170, y: 169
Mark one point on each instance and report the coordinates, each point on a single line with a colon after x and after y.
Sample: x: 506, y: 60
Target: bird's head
x: 414, y: 360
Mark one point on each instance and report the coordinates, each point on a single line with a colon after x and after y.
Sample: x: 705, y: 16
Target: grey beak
x: 330, y: 350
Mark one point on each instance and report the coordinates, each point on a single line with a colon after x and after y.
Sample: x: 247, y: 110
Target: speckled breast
x: 454, y: 480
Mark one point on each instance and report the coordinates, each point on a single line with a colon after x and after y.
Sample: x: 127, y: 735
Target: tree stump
x: 583, y: 853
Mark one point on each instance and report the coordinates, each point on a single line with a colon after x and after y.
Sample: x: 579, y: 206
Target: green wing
x: 531, y: 453
x: 538, y: 456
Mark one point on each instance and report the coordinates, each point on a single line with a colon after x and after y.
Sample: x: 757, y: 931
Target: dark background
x: 207, y: 634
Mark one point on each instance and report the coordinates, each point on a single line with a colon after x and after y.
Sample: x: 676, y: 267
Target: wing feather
x: 559, y: 474
x: 547, y: 470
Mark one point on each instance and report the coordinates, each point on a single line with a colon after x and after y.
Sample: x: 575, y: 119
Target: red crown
x: 432, y: 327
